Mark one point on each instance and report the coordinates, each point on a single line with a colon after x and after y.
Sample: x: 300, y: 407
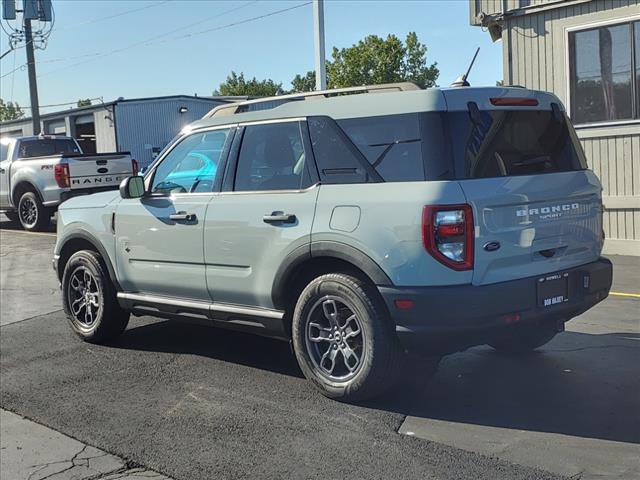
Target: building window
x: 603, y: 62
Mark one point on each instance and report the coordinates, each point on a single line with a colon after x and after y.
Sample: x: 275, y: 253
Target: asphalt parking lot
x: 199, y: 403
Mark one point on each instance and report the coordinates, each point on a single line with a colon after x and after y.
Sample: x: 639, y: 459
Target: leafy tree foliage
x: 238, y: 85
x: 10, y: 111
x: 304, y: 83
x: 376, y: 60
x: 84, y: 102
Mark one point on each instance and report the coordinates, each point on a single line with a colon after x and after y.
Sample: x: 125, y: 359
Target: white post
x: 318, y: 29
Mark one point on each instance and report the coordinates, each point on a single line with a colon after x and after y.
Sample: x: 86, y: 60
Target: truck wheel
x: 89, y: 299
x: 32, y: 214
x: 526, y: 340
x: 344, y: 339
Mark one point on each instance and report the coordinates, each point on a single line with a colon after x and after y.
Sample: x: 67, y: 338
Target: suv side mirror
x: 132, y: 187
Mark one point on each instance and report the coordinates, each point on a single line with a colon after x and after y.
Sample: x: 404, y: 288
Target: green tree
x: 10, y: 111
x: 499, y: 83
x: 376, y: 60
x: 304, y: 83
x: 238, y: 85
x: 84, y: 102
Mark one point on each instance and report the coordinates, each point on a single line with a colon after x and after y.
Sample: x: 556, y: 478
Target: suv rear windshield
x: 457, y: 145
x: 498, y: 143
x: 43, y: 147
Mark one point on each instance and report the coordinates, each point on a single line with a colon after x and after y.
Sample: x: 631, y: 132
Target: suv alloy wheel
x: 344, y: 339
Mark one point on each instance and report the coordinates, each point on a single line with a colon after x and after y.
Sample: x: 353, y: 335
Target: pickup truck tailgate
x: 99, y: 170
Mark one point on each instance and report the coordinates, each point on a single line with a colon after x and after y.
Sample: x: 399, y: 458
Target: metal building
x: 142, y: 126
x: 587, y: 52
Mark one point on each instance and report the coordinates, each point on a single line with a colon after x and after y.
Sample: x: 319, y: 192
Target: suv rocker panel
x: 262, y: 321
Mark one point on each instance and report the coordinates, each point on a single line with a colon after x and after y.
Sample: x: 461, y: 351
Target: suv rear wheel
x: 89, y: 299
x: 343, y: 338
x: 32, y: 214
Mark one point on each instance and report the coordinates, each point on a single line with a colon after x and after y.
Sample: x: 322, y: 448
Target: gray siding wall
x: 105, y: 130
x: 536, y: 56
x: 147, y: 124
x: 495, y: 7
x: 17, y: 129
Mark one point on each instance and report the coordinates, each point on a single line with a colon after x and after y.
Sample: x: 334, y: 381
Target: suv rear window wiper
x: 388, y: 148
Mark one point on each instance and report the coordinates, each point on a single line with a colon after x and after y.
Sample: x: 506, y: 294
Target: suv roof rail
x: 241, y: 107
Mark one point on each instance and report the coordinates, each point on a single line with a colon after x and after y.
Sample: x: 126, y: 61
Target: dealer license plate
x: 553, y: 289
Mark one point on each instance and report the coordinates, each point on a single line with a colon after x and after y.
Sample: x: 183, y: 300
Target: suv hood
x: 95, y: 200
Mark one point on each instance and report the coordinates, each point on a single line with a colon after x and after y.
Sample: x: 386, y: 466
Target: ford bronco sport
x: 364, y: 225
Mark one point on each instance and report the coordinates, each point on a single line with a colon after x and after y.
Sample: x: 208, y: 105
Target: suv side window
x: 192, y: 165
x: 338, y: 159
x: 271, y: 157
x: 391, y: 143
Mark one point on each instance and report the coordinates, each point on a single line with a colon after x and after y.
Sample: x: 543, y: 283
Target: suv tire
x: 33, y: 216
x: 525, y: 340
x: 89, y: 299
x: 343, y: 338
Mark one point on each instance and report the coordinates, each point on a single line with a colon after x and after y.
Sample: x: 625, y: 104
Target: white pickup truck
x: 39, y: 173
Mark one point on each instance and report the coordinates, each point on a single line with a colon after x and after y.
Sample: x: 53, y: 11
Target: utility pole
x: 31, y: 69
x: 318, y: 30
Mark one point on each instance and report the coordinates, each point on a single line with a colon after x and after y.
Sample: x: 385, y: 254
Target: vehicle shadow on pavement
x: 579, y: 384
x: 6, y: 224
x: 228, y: 346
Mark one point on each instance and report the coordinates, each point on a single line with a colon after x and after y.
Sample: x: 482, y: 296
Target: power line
x: 53, y: 60
x: 143, y: 42
x: 157, y: 39
x: 64, y: 104
x: 109, y: 17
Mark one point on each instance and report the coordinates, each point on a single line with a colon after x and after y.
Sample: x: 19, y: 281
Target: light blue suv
x: 368, y: 226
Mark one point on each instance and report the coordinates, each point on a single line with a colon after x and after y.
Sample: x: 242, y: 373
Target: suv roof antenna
x: 461, y: 81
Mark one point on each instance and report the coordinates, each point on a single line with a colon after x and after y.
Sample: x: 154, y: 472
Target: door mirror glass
x: 132, y: 187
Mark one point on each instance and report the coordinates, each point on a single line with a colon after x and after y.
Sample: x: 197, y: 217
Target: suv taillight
x: 61, y: 174
x: 134, y: 167
x: 447, y: 234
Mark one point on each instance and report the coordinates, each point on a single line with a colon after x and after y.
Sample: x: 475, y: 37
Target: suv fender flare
x: 86, y: 236
x: 337, y: 250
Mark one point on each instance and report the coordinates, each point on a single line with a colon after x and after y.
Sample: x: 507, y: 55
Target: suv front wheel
x: 344, y: 339
x: 89, y: 299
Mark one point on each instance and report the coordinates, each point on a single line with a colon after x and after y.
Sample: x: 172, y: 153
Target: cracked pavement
x: 29, y: 451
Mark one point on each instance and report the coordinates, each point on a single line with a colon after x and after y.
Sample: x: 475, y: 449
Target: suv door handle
x: 279, y: 217
x: 182, y: 217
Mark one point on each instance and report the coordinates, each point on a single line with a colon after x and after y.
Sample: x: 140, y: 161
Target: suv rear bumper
x: 457, y: 317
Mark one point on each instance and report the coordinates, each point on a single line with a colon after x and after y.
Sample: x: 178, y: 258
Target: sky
x: 136, y: 48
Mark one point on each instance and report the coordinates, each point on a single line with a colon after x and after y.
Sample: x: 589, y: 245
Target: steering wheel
x: 169, y: 187
x: 204, y: 185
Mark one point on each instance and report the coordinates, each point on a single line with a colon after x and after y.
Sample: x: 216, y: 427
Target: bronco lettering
x: 523, y: 212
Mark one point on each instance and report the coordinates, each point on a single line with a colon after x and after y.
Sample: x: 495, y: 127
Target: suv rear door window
x: 497, y: 143
x: 271, y: 157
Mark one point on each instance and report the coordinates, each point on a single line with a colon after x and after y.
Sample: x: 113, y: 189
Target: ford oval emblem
x: 491, y: 246
x: 103, y: 170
